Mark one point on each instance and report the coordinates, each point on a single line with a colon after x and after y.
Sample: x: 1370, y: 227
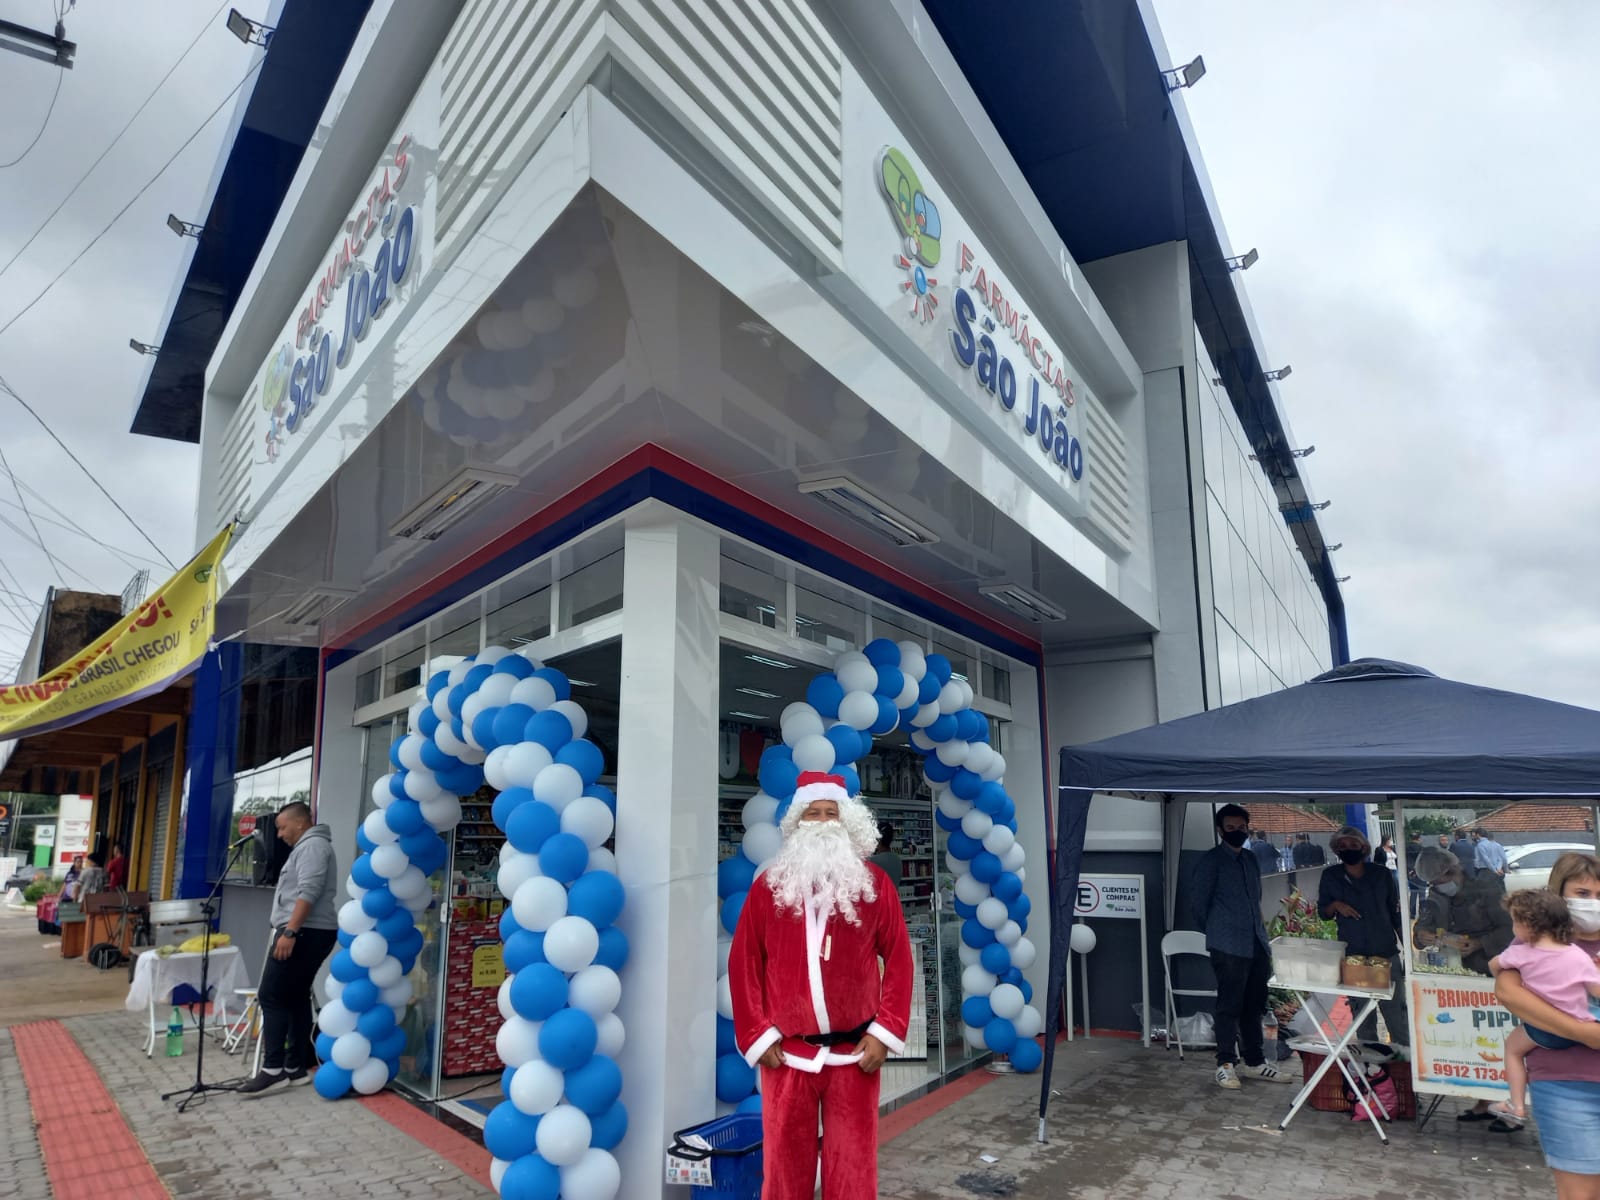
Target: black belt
x: 843, y: 1037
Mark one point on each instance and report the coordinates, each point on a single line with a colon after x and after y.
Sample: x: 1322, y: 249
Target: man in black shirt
x: 1360, y: 895
x: 1307, y: 853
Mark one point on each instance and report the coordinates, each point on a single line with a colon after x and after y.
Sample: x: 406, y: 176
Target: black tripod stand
x: 211, y: 906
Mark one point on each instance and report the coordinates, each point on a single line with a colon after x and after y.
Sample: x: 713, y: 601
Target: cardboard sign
x: 1119, y: 896
x: 1458, y: 1035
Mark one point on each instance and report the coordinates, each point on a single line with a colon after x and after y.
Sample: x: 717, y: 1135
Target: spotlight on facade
x: 251, y: 33
x: 1306, y: 453
x: 1185, y: 76
x: 1243, y: 262
x: 861, y: 505
x: 1282, y: 372
x: 1342, y: 579
x: 143, y: 347
x: 1025, y: 602
x: 1320, y: 507
x: 183, y: 228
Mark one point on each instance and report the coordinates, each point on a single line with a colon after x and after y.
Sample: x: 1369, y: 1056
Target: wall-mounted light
x: 143, y: 347
x: 183, y: 228
x: 1320, y: 507
x: 251, y: 33
x: 1342, y: 579
x: 1282, y: 372
x: 1332, y: 548
x: 1243, y: 262
x: 1306, y: 453
x: 1186, y: 76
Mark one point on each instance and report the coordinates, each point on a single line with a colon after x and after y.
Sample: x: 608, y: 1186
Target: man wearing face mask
x: 1360, y: 895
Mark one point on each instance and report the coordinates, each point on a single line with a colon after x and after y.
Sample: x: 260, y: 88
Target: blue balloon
x: 1026, y: 1056
x: 928, y: 688
x: 734, y: 874
x: 549, y: 728
x: 937, y: 770
x: 963, y: 847
x: 608, y: 1129
x: 408, y: 946
x: 558, y: 681
x: 332, y: 1082
x: 600, y: 792
x: 394, y: 755
x: 1019, y: 909
x: 344, y: 939
x: 508, y: 924
x: 1008, y: 887
x: 597, y: 897
x: 538, y: 991
x: 363, y: 875
x: 483, y: 728
x: 782, y: 810
x: 908, y: 715
x: 975, y: 1011
x: 750, y: 1104
x: 431, y: 856
x: 379, y: 902
x: 405, y: 816
x: 1013, y: 977
x: 736, y: 1079
x: 939, y: 666
x: 514, y: 665
x: 532, y: 824
x: 435, y: 759
x: 778, y: 776
x: 477, y: 675
x: 456, y: 697
x: 852, y: 779
x: 506, y: 803
x: 888, y: 716
x: 1000, y: 1035
x: 437, y: 682
x: 991, y: 798
x: 613, y: 950
x: 847, y: 743
x: 567, y: 1039
x: 1027, y: 991
x: 584, y: 757
x: 397, y: 785
x: 564, y: 856
x: 985, y: 867
x: 359, y: 995
x: 522, y: 949
x: 365, y: 844
x: 881, y: 652
x: 509, y: 1133
x: 418, y: 845
x: 324, y: 1047
x: 966, y: 784
x: 974, y: 934
x: 376, y: 1023
x: 731, y: 908
x: 726, y: 1042
x: 948, y: 824
x: 391, y: 1047
x: 506, y: 1077
x: 427, y: 723
x: 964, y: 910
x: 996, y: 960
x: 462, y: 780
x: 891, y: 680
x: 943, y: 728
x: 824, y: 694
x: 1007, y: 814
x: 982, y: 734
x: 595, y: 1086
x: 396, y: 925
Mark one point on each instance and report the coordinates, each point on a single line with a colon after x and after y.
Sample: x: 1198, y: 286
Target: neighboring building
x: 707, y: 353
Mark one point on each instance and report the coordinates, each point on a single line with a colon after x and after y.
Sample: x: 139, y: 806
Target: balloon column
x: 870, y: 693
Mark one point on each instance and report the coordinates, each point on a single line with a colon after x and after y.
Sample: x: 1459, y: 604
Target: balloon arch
x: 870, y: 693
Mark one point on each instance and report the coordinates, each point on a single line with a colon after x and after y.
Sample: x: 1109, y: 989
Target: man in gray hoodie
x: 305, y: 927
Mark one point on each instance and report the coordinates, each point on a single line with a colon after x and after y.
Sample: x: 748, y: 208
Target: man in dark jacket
x: 1307, y: 853
x: 1361, y: 896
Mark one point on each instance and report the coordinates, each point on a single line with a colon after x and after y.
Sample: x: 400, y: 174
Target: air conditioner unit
x: 1023, y: 601
x: 469, y: 489
x: 857, y: 503
x: 316, y: 603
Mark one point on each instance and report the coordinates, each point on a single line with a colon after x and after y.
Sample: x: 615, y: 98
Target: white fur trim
x: 762, y: 1044
x: 814, y: 935
x: 819, y: 791
x: 896, y: 1045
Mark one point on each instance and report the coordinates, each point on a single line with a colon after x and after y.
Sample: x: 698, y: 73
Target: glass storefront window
x: 996, y: 683
x: 449, y: 648
x: 591, y: 591
x: 823, y: 615
x: 520, y: 621
x: 367, y: 684
x: 752, y: 590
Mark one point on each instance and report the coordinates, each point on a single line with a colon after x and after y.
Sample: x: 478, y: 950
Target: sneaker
x: 261, y: 1084
x: 298, y: 1078
x: 1226, y: 1078
x: 1269, y: 1073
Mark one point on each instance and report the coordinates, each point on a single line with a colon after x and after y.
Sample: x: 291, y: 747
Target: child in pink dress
x: 1553, y: 969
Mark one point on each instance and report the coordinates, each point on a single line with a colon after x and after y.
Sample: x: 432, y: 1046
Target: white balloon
x: 355, y: 889
x: 998, y: 840
x: 610, y: 1035
x: 517, y: 1042
x: 571, y: 943
x: 417, y: 904
x: 411, y: 882
x: 1023, y: 954
x: 457, y: 672
x: 1083, y: 939
x: 589, y: 818
x: 514, y: 872
x: 858, y: 709
x: 595, y: 989
x: 969, y: 955
x: 952, y: 753
x: 497, y: 1172
x: 442, y: 813
x: 979, y: 756
x: 558, y: 785
x: 800, y: 721
x: 386, y: 973
x: 527, y: 653
x: 974, y: 1037
x: 966, y: 692
x: 368, y: 949
x: 335, y: 1020
x: 971, y: 890
x: 410, y: 752
x: 1006, y: 1001
x: 353, y: 920
x: 472, y: 755
x: 996, y: 769
x: 444, y: 737
x: 977, y: 824
x: 761, y: 842
x: 536, y: 1087
x: 975, y: 981
x: 332, y: 988
x: 350, y: 1050
x: 536, y: 693
x: 524, y: 762
x: 927, y: 714
x: 494, y: 767
x: 370, y: 1077
x: 724, y: 998
x: 396, y: 995
x: 471, y: 707
x: 1029, y: 1022
x: 908, y: 694
x: 992, y: 913
x: 846, y: 657
x: 956, y: 866
x: 390, y: 861
x: 377, y: 828
x: 495, y: 691
x: 920, y: 738
x: 601, y: 859
x: 1008, y: 934
x: 949, y: 698
x: 576, y: 717
x: 441, y: 707
x: 814, y: 753
x: 414, y: 714
x: 595, y: 1176
x: 539, y: 903
x: 563, y: 1135
x: 491, y: 655
x: 953, y: 806
x: 912, y: 660
x: 859, y: 676
x: 381, y: 795
x: 759, y: 810
x: 422, y: 786
x: 1013, y: 858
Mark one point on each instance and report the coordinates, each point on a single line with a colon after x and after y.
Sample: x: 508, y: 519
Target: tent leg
x: 1042, y: 1139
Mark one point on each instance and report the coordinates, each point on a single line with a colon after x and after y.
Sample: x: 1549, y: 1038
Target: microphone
x: 246, y: 838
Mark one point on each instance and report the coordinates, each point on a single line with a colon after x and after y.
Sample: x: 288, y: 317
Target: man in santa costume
x: 811, y: 1003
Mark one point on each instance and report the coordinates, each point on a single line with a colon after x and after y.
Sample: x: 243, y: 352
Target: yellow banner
x: 160, y: 641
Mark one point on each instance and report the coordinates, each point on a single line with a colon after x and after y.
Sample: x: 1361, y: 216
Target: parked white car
x: 1529, y: 866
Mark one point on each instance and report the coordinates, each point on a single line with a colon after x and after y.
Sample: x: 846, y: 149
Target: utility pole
x: 50, y: 48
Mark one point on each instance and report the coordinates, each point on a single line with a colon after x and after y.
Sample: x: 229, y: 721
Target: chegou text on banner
x: 160, y: 641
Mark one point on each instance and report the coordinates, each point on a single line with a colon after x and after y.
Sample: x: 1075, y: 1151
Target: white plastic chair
x: 247, y: 1027
x: 1178, y: 942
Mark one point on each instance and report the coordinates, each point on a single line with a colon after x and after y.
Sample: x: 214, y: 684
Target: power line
x: 128, y: 557
x: 73, y: 191
x: 55, y: 95
x: 37, y: 536
x: 132, y: 200
x: 12, y: 392
x: 60, y: 567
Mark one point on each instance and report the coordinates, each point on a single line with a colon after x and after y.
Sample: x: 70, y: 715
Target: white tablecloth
x: 157, y: 976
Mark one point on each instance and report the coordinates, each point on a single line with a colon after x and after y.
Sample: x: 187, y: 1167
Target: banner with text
x: 161, y: 640
x: 1458, y: 1036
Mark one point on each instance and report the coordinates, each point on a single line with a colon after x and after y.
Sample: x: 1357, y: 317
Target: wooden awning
x: 88, y: 746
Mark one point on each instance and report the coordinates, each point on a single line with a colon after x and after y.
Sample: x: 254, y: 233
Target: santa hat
x: 819, y: 785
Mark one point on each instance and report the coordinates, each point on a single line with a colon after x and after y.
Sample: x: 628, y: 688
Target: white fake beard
x: 819, y: 863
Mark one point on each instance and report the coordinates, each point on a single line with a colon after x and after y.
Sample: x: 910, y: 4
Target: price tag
x: 488, y: 965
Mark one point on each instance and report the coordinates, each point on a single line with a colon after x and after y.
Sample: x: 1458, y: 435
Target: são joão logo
x: 916, y: 217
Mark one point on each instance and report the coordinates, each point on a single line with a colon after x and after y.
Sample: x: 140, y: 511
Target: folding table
x: 1339, y: 1048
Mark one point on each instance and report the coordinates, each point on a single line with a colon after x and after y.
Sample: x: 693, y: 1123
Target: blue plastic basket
x: 735, y: 1155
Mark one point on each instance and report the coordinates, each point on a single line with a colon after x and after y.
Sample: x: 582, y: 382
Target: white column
x: 667, y: 832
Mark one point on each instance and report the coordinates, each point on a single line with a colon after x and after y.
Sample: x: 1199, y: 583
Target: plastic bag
x: 1197, y: 1030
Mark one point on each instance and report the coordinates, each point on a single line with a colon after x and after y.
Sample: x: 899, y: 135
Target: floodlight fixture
x: 1282, y: 372
x: 1341, y: 579
x: 251, y: 33
x: 1320, y: 507
x: 1332, y: 548
x: 1305, y: 453
x: 1185, y: 76
x: 143, y: 347
x: 183, y: 228
x: 1243, y: 262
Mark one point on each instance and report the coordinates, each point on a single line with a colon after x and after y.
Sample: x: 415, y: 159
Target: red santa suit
x: 794, y: 975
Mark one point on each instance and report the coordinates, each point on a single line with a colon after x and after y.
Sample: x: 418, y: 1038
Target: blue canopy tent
x: 1370, y: 728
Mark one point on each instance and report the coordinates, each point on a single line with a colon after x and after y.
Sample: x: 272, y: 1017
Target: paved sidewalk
x: 37, y: 984
x: 22, y: 1174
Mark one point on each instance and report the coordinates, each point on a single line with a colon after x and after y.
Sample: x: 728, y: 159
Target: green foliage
x: 1434, y: 823
x: 39, y: 889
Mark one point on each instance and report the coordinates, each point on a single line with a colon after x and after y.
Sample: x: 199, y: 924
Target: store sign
x: 44, y: 835
x: 1120, y: 896
x: 1458, y: 1035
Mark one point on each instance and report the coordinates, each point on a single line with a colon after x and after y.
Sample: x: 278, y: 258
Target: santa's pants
x: 847, y: 1099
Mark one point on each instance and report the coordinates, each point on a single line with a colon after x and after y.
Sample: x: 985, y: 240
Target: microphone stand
x: 211, y: 906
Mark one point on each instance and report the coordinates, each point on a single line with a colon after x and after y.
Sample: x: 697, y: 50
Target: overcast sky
x: 1418, y: 178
